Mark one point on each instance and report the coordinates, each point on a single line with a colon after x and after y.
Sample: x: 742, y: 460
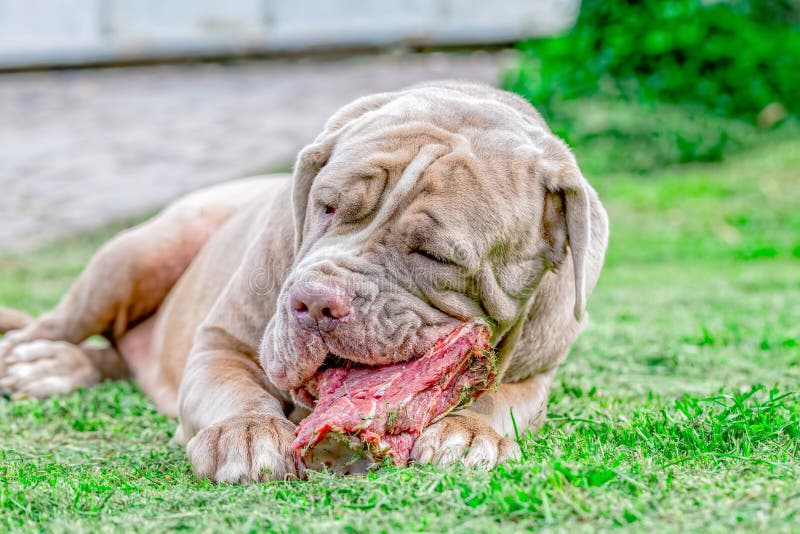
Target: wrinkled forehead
x: 445, y: 168
x: 437, y: 115
x: 473, y: 132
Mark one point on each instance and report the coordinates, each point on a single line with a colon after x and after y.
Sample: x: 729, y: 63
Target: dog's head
x: 415, y: 211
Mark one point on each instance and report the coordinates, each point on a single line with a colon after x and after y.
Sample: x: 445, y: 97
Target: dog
x: 412, y: 212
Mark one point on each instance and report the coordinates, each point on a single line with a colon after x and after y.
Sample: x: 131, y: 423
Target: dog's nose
x: 319, y: 305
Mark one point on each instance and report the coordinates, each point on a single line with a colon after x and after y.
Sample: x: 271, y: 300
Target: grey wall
x: 43, y: 32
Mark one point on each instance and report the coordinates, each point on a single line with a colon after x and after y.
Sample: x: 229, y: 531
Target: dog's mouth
x: 332, y: 361
x: 385, y: 407
x: 307, y: 393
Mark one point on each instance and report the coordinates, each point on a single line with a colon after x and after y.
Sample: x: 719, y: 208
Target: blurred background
x: 110, y: 108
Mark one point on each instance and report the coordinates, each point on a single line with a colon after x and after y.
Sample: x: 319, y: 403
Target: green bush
x: 610, y: 135
x: 700, y: 79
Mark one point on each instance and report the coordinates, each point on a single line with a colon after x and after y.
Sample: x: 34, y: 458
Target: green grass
x: 678, y: 409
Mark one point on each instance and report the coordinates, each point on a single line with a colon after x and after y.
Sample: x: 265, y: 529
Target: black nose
x: 318, y: 305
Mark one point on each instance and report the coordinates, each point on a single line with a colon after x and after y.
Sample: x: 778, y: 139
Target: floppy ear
x: 314, y: 156
x: 566, y: 181
x: 309, y: 162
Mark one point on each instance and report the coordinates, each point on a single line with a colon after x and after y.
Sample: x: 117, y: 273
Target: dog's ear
x: 309, y: 162
x: 567, y: 216
x: 313, y: 157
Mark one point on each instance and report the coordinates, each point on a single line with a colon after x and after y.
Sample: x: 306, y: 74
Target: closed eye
x: 431, y: 256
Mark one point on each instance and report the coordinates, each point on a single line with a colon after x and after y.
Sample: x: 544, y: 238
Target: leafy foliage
x: 717, y: 73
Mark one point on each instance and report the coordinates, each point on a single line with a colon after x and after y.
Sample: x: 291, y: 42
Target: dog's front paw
x: 44, y: 368
x: 8, y: 343
x: 463, y: 438
x: 245, y: 448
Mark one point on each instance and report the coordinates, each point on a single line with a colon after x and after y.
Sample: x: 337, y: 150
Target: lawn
x: 678, y: 409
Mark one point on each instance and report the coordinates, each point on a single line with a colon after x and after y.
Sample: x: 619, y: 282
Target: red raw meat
x: 364, y: 414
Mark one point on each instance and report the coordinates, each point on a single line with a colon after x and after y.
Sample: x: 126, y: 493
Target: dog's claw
x: 43, y: 368
x: 245, y: 448
x: 461, y: 438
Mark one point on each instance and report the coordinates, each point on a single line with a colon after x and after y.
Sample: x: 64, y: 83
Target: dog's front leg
x: 483, y: 434
x: 235, y: 427
x: 231, y: 417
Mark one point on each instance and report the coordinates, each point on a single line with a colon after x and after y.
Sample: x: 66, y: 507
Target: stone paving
x: 83, y: 148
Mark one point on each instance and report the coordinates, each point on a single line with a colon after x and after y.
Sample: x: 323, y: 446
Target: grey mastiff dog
x: 412, y: 212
